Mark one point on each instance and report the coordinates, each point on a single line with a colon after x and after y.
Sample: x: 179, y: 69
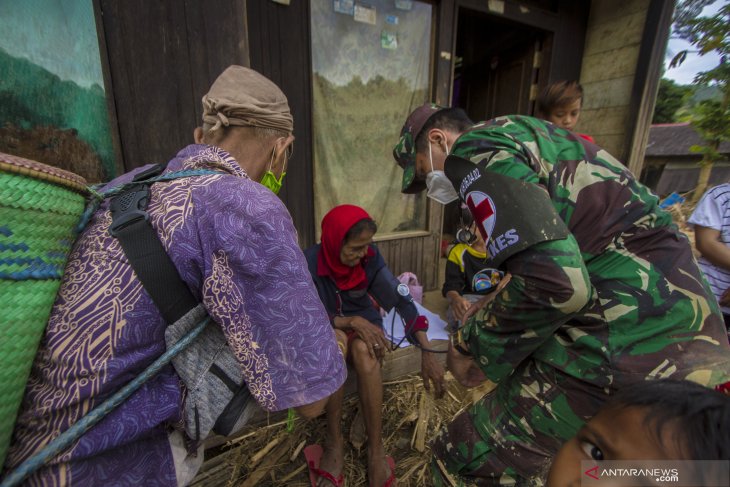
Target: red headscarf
x: 335, y: 225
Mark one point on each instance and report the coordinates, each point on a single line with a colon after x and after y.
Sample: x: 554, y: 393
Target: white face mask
x: 439, y: 187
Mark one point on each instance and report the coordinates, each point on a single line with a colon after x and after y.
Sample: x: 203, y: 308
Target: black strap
x: 146, y: 254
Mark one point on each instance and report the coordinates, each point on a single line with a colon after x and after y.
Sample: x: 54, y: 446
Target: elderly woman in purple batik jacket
x: 234, y: 244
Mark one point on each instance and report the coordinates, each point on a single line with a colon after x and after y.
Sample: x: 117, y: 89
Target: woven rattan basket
x: 40, y: 207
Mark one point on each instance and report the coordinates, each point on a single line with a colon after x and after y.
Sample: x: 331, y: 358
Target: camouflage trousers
x: 511, y: 435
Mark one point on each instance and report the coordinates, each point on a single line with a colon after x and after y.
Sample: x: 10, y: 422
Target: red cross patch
x: 484, y: 212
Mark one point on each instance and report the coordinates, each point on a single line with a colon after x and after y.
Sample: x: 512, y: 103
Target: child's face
x: 566, y: 116
x: 614, y: 434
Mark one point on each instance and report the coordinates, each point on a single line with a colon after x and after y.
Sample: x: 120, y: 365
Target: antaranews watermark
x: 640, y: 473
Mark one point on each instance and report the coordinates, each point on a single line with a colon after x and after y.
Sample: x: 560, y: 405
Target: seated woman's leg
x: 370, y: 389
x: 332, y: 460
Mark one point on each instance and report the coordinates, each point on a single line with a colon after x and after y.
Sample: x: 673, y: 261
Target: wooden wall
x: 160, y: 58
x: 154, y: 52
x: 609, y: 66
x: 279, y: 37
x: 624, y: 48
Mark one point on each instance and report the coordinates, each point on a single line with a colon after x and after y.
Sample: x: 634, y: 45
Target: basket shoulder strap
x: 146, y: 254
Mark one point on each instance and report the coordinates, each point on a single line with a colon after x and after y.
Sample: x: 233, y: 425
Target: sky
x: 693, y: 64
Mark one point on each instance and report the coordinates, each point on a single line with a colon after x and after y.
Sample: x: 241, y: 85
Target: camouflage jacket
x: 620, y: 299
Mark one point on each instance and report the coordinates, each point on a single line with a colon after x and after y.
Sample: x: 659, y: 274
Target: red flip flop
x: 391, y: 482
x: 313, y: 454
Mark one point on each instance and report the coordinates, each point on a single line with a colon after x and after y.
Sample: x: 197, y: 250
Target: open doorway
x: 499, y: 69
x: 498, y: 66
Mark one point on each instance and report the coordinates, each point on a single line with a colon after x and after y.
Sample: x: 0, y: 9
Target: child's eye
x: 591, y: 450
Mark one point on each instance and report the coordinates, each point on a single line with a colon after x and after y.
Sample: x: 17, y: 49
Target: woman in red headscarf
x: 349, y: 273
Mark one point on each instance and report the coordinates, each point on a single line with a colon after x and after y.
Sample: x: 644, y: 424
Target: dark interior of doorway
x: 498, y: 70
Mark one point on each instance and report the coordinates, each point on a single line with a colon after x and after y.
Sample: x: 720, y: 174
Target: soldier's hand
x: 487, y: 298
x: 463, y: 368
x: 459, y: 306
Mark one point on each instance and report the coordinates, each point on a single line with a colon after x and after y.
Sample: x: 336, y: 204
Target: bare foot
x: 378, y: 471
x: 332, y: 461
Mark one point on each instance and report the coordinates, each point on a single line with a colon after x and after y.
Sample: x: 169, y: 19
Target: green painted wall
x: 52, y: 100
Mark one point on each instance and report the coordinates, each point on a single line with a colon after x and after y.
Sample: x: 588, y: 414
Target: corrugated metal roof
x: 675, y: 139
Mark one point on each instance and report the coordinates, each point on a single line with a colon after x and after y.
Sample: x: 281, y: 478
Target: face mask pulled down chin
x: 439, y: 187
x: 269, y: 180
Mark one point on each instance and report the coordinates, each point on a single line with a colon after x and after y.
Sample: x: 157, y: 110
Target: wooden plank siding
x: 624, y: 49
x: 159, y: 60
x: 614, y: 33
x: 160, y: 57
x: 280, y: 41
x: 646, y: 84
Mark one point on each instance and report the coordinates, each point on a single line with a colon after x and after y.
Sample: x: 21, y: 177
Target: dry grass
x: 680, y: 214
x: 270, y: 455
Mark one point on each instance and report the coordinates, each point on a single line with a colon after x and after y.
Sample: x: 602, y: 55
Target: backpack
x: 217, y: 399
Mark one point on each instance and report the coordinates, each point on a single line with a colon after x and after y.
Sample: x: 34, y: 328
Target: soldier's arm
x: 549, y: 282
x: 549, y: 285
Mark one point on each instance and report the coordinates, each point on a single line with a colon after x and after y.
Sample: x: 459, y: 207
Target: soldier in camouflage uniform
x: 604, y: 290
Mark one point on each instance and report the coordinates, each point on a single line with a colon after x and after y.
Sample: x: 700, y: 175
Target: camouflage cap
x: 404, y: 151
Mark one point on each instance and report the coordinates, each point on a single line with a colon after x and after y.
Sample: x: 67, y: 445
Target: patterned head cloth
x: 242, y: 97
x: 404, y: 151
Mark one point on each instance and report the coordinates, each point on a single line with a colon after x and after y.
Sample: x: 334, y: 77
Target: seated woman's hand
x: 432, y: 373
x: 372, y: 335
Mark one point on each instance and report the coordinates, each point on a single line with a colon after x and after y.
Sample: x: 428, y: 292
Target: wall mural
x: 52, y: 100
x: 371, y: 64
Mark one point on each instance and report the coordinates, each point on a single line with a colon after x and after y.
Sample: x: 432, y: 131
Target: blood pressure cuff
x: 512, y: 215
x: 391, y: 293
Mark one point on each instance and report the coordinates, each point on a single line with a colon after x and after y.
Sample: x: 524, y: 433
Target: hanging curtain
x: 371, y: 64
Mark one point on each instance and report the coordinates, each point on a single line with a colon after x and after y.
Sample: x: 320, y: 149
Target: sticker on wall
x: 404, y: 4
x: 388, y: 40
x: 496, y: 6
x: 365, y: 13
x: 345, y: 6
x: 391, y: 19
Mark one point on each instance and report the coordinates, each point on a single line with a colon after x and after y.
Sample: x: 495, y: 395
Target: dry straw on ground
x: 680, y: 214
x: 269, y: 455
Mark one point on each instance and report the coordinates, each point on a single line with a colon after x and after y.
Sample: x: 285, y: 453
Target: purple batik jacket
x: 233, y: 242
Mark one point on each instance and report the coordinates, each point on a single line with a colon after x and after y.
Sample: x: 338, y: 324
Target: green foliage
x: 31, y: 96
x: 711, y: 118
x: 686, y: 11
x: 670, y: 98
